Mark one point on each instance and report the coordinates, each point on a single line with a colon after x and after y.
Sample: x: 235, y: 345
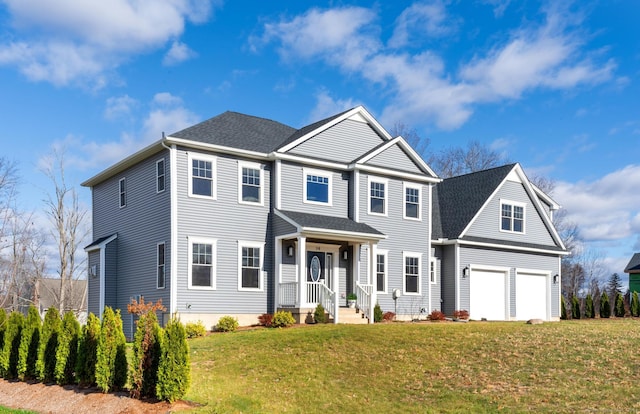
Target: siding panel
x: 93, y: 289
x: 394, y: 158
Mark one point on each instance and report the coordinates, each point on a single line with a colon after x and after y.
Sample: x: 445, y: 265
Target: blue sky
x: 552, y: 86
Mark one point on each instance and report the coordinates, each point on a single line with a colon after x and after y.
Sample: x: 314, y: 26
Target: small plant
x: 461, y: 314
x: 388, y: 316
x: 619, y: 308
x: 265, y: 319
x: 436, y: 315
x: 319, y: 314
x: 227, y: 324
x: 605, y: 306
x: 589, y: 310
x: 563, y: 308
x: 282, y: 319
x: 377, y: 313
x: 174, y: 372
x: 195, y: 329
x: 575, y: 308
x: 635, y: 304
x: 352, y: 296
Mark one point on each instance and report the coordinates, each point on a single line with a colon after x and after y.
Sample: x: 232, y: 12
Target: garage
x: 488, y: 294
x: 531, y: 296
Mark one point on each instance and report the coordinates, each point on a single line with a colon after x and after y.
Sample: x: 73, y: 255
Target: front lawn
x: 569, y: 366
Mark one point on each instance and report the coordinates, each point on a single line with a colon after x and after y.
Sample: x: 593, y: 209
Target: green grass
x: 5, y: 410
x: 570, y: 366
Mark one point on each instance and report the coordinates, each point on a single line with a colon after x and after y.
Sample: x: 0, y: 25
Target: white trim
x: 512, y: 203
x: 103, y: 261
x: 548, y: 284
x: 214, y: 174
x: 356, y: 196
x: 216, y: 148
x: 164, y: 264
x: 385, y: 204
x: 419, y: 187
x: 362, y: 236
x: 254, y: 166
x: 385, y: 253
x: 122, y: 192
x: 457, y: 277
x: 317, y: 173
x: 406, y: 255
x: 507, y: 285
x: 278, y: 183
x: 445, y: 242
x: 433, y: 269
x: 173, y: 247
x: 309, y: 161
x: 261, y: 272
x: 164, y: 175
x: 395, y: 173
x: 401, y: 142
x: 214, y: 260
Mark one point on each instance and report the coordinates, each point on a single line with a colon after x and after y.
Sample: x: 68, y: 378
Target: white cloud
x: 120, y: 106
x: 420, y: 20
x: 178, y: 53
x: 327, y: 106
x: 67, y: 41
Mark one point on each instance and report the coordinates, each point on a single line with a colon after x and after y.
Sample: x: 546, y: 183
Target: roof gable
x: 396, y: 154
x: 634, y: 264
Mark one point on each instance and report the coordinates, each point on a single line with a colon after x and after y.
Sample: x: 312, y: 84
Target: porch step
x: 349, y: 316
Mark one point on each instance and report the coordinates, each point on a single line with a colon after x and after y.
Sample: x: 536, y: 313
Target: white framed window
x: 160, y: 260
x: 378, y: 189
x: 160, y: 176
x: 432, y: 271
x: 381, y: 271
x: 317, y: 187
x: 512, y: 216
x: 202, y: 176
x: 412, y: 201
x: 202, y: 263
x: 412, y: 272
x: 250, y: 183
x: 122, y: 189
x: 250, y: 262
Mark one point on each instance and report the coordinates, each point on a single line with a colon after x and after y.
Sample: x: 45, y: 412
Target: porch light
x: 465, y: 272
x: 555, y: 278
x: 290, y: 251
x: 345, y: 254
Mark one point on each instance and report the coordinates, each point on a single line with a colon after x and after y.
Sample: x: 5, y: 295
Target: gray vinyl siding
x: 343, y: 142
x: 447, y: 278
x: 228, y: 222
x: 513, y: 261
x: 93, y: 288
x: 281, y: 227
x: 140, y: 225
x: 395, y: 158
x: 292, y: 195
x: 288, y: 266
x: 436, y: 294
x: 402, y: 236
x: 487, y: 224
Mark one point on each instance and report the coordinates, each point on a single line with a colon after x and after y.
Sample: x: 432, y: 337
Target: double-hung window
x: 317, y: 186
x: 160, y: 266
x: 250, y: 178
x: 160, y: 182
x: 378, y: 196
x: 432, y: 271
x: 412, y: 271
x: 381, y: 271
x: 202, y: 266
x: 122, y: 188
x: 512, y: 216
x: 412, y: 201
x: 202, y: 176
x: 250, y: 265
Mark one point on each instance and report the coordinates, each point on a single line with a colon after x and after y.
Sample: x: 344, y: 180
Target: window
x: 377, y: 196
x: 160, y: 266
x: 432, y: 271
x: 512, y: 217
x: 123, y: 192
x: 250, y: 257
x: 412, y: 273
x: 250, y: 179
x: 202, y: 176
x: 160, y: 176
x: 202, y: 268
x: 412, y: 201
x: 317, y: 187
x: 381, y: 272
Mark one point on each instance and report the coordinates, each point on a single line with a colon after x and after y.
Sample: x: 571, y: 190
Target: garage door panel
x: 488, y: 295
x: 531, y: 296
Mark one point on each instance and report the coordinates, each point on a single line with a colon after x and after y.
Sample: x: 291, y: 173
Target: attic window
x: 512, y: 217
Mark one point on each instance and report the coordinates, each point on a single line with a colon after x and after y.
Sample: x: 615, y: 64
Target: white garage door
x: 488, y: 295
x: 531, y: 296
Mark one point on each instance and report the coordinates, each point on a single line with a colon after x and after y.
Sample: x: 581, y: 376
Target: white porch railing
x: 288, y: 294
x: 318, y: 292
x: 363, y: 301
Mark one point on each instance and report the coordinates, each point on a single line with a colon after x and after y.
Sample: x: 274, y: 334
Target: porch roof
x: 335, y: 227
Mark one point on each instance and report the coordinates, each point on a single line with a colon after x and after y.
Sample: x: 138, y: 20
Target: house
x: 495, y: 246
x: 48, y: 295
x: 633, y: 269
x: 240, y: 215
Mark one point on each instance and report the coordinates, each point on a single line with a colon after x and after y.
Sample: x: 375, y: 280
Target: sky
x: 554, y: 85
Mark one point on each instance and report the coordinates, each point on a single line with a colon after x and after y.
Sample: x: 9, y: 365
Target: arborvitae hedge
x: 11, y: 348
x: 111, y: 363
x: 3, y: 327
x: 605, y: 306
x: 575, y: 308
x: 28, y: 354
x: 147, y: 349
x: 563, y: 308
x: 46, y: 364
x: 635, y: 304
x: 589, y: 311
x: 174, y: 373
x: 377, y: 313
x: 67, y: 352
x: 619, y: 309
x: 87, y: 351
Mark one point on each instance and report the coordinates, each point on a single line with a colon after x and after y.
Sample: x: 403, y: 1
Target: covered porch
x: 324, y: 260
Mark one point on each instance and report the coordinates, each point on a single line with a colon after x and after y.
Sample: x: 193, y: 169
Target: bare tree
x: 457, y: 160
x: 414, y: 139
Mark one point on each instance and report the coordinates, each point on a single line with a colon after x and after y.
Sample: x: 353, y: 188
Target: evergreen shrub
x: 174, y: 372
x: 195, y: 329
x: 619, y: 308
x: 147, y: 348
x: 589, y: 311
x: 635, y: 304
x: 563, y: 308
x: 227, y: 324
x: 11, y: 348
x: 319, y: 315
x: 47, y: 349
x: 28, y: 354
x: 605, y: 306
x: 87, y: 351
x: 282, y: 319
x: 111, y: 363
x: 575, y: 308
x: 67, y: 351
x: 377, y: 313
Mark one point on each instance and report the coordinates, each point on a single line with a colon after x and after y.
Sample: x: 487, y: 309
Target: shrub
x: 67, y: 352
x: 635, y: 304
x: 265, y: 319
x: 11, y: 348
x: 87, y: 351
x: 563, y: 308
x: 282, y: 319
x: 352, y: 296
x: 377, y: 313
x: 461, y: 314
x: 605, y: 306
x: 174, y: 372
x: 388, y: 316
x: 319, y: 315
x: 28, y: 354
x: 3, y: 326
x: 227, y: 324
x: 589, y: 311
x: 436, y: 315
x: 195, y: 329
x: 619, y: 308
x: 147, y: 349
x: 111, y: 362
x: 46, y: 364
x: 575, y: 308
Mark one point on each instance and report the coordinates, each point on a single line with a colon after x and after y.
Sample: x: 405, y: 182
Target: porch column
x: 373, y: 260
x: 336, y: 287
x: 302, y: 271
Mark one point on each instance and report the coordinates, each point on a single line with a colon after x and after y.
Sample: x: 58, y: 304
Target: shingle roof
x: 457, y: 200
x: 634, y: 264
x: 236, y: 130
x: 330, y: 223
x: 98, y: 241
